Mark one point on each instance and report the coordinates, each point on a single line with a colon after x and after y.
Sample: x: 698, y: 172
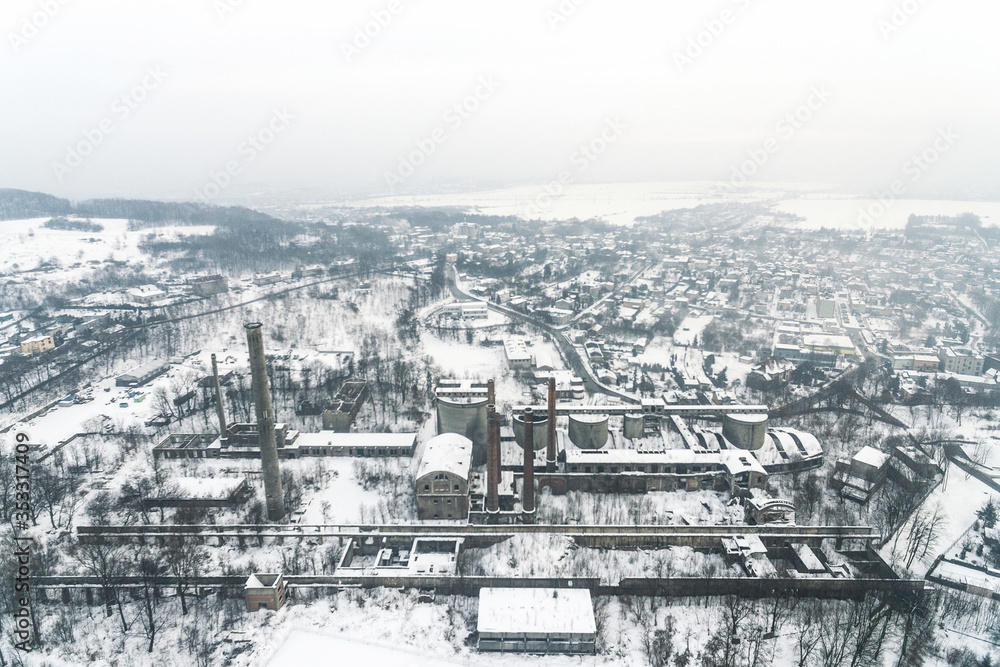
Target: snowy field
x: 691, y: 328
x: 844, y: 213
x: 27, y: 244
x: 306, y: 648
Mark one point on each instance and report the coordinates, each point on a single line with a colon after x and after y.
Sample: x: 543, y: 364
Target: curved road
x: 566, y: 348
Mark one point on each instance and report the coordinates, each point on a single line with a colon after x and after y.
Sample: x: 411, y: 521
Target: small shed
x: 265, y: 590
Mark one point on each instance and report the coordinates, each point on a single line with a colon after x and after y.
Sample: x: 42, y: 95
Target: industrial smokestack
x: 550, y: 449
x: 265, y: 423
x: 528, y: 492
x: 491, y: 394
x: 492, y: 461
x: 220, y: 411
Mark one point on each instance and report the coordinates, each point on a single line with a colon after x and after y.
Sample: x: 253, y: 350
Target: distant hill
x: 19, y: 204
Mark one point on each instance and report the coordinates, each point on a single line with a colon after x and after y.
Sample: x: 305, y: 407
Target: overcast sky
x: 540, y: 79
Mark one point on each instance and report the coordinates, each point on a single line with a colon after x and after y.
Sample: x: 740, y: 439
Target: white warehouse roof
x: 534, y: 611
x: 448, y: 452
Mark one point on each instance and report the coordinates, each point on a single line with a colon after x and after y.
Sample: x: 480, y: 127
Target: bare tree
x: 109, y: 563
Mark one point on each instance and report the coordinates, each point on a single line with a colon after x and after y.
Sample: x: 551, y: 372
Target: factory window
x: 600, y: 469
x: 654, y: 468
x: 586, y: 469
x: 427, y: 487
x: 449, y: 501
x: 436, y: 501
x: 456, y: 488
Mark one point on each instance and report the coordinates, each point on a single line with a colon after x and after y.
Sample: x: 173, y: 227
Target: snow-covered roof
x: 334, y: 439
x: 871, y: 456
x: 536, y: 611
x: 448, y: 452
x: 262, y: 580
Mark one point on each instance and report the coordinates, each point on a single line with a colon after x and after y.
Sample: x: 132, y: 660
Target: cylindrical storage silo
x: 635, y: 426
x: 539, y: 430
x: 588, y: 431
x: 465, y: 416
x: 745, y: 431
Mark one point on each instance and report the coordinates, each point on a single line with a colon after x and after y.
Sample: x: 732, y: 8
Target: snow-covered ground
x: 26, y: 244
x: 692, y: 327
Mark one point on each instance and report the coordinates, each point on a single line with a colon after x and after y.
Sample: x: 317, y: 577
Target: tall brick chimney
x: 528, y: 492
x: 265, y: 423
x: 492, y: 462
x: 550, y: 449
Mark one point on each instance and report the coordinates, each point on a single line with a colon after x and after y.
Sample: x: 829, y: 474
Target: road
x: 569, y: 352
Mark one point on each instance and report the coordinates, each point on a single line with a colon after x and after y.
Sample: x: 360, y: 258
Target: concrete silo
x: 539, y: 431
x: 465, y: 416
x: 635, y: 426
x: 588, y: 431
x: 745, y: 431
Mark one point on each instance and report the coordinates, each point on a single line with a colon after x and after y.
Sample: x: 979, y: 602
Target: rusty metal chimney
x: 220, y: 411
x: 550, y: 449
x: 528, y: 492
x: 265, y: 423
x: 492, y: 462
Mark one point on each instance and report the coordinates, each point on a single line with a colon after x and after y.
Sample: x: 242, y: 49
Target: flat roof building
x: 536, y: 620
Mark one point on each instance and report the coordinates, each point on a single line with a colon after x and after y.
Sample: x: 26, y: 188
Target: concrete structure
x: 640, y: 471
x: 274, y: 497
x: 188, y: 446
x: 634, y: 427
x: 142, y: 373
x: 243, y: 442
x: 492, y: 461
x: 860, y: 478
x: 265, y: 590
x: 220, y: 410
x: 516, y: 355
x: 961, y: 361
x: 467, y: 310
x: 569, y: 386
x: 461, y: 408
x: 746, y: 431
x: 528, y: 486
x: 536, y: 620
x: 550, y: 438
x: 37, y: 345
x: 346, y: 405
x: 209, y: 285
x: 588, y: 431
x: 262, y: 279
x: 821, y: 349
x: 145, y: 294
x: 400, y: 556
x: 332, y: 443
x: 443, y: 478
x: 539, y: 428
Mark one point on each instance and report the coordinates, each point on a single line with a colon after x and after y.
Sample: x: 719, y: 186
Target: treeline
x: 20, y: 204
x: 74, y: 225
